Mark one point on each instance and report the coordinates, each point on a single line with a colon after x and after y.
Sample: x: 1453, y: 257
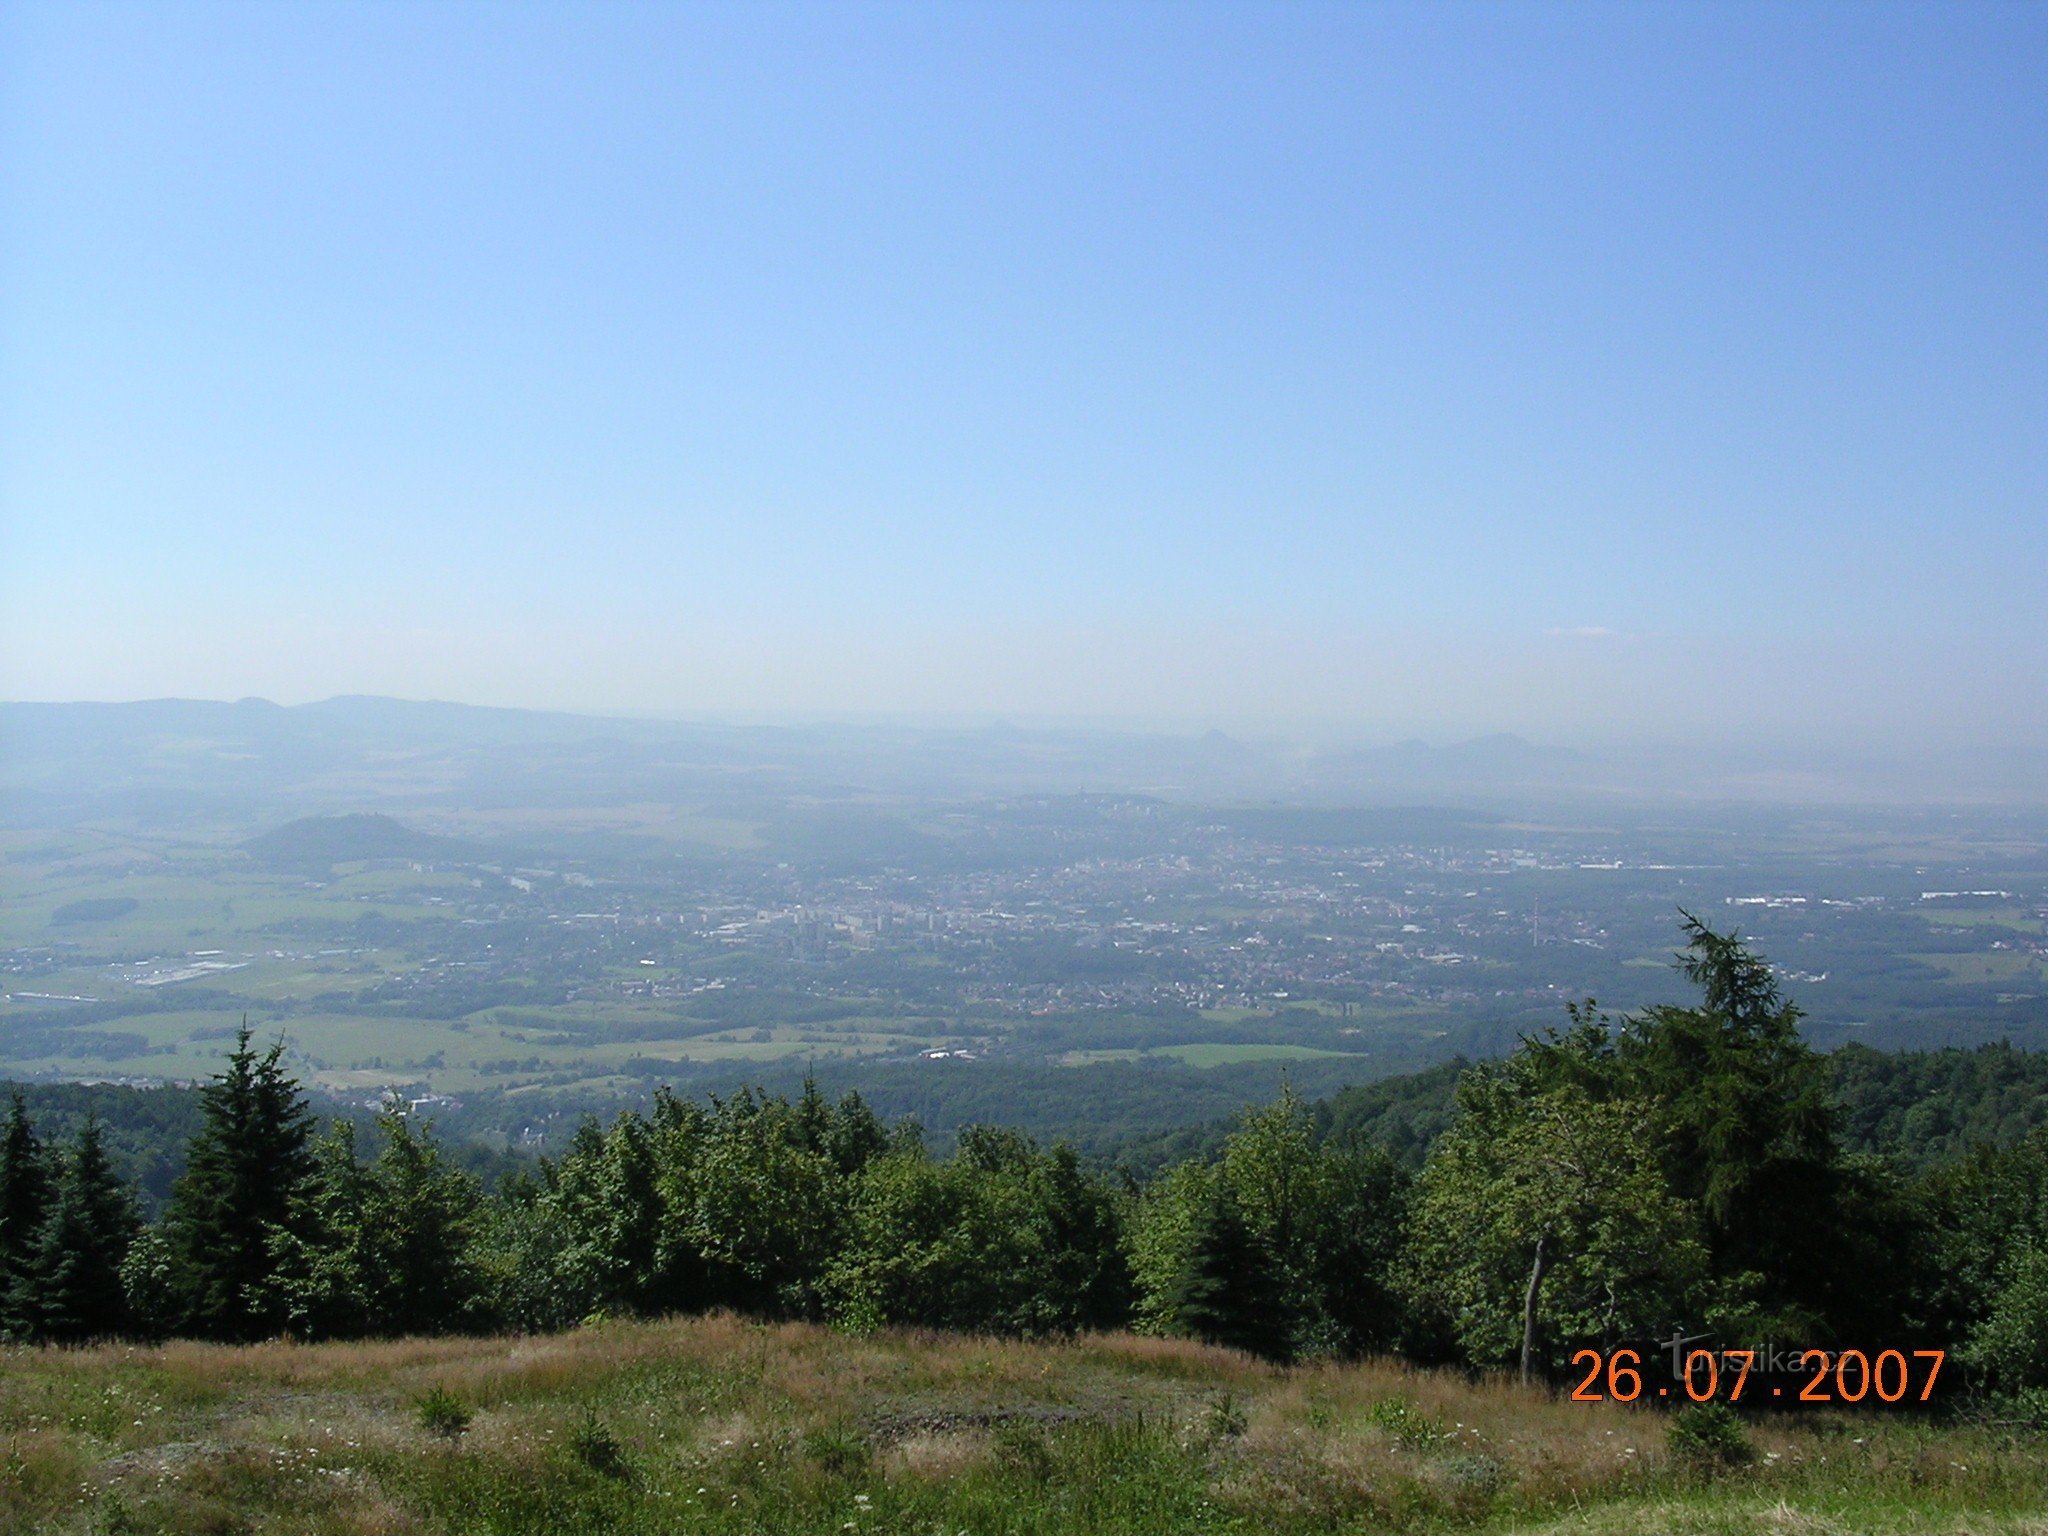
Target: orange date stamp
x: 1707, y: 1375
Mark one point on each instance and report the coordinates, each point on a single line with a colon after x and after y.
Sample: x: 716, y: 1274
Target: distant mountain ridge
x: 198, y: 757
x: 175, y: 758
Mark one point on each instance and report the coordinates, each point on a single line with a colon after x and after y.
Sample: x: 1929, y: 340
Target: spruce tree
x: 24, y: 1205
x: 1228, y: 1292
x: 419, y: 1218
x: 319, y: 1260
x: 241, y: 1191
x: 1084, y: 1278
x: 1746, y: 1125
x: 73, y: 1292
x: 383, y: 1247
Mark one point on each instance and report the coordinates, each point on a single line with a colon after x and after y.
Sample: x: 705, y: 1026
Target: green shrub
x: 597, y: 1448
x: 1708, y: 1435
x: 2021, y: 1410
x: 2011, y: 1346
x: 1411, y: 1430
x: 115, y: 1517
x: 442, y: 1413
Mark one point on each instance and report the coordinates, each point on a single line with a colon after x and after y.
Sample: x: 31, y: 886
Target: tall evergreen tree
x: 384, y: 1247
x: 319, y: 1266
x: 1740, y: 1105
x: 1228, y: 1291
x: 1358, y: 1249
x: 24, y: 1204
x: 419, y: 1218
x: 1084, y: 1279
x: 242, y: 1187
x: 73, y: 1291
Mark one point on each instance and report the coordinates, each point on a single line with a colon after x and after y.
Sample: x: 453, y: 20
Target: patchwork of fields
x: 167, y: 983
x: 1087, y: 933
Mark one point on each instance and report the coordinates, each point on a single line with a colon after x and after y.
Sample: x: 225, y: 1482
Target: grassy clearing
x: 704, y: 1049
x: 1990, y: 966
x: 720, y: 1425
x: 1206, y: 1054
x: 2001, y: 917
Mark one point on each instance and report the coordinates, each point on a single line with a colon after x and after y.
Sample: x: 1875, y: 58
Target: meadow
x: 720, y: 1425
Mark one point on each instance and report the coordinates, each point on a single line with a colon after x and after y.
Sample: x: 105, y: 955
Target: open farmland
x: 1198, y: 951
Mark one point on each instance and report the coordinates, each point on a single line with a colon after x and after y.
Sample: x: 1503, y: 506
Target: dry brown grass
x: 327, y: 1439
x: 1778, y: 1517
x: 937, y: 1457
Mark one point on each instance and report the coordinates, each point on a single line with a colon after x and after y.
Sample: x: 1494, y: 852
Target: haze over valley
x: 537, y: 915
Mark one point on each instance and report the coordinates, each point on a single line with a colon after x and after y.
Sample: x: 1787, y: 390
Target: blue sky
x: 1567, y: 369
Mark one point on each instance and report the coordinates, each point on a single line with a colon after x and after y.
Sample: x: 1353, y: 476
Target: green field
x: 1996, y: 966
x: 345, y: 1052
x: 716, y: 1425
x: 294, y: 949
x: 1209, y: 1054
x: 288, y: 941
x: 2007, y: 917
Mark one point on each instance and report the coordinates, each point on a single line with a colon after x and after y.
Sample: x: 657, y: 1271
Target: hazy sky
x: 1570, y: 369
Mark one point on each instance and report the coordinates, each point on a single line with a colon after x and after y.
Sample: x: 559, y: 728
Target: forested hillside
x: 1918, y: 1107
x: 1927, y: 1106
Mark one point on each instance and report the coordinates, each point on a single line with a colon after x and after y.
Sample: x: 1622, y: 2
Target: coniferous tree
x: 1084, y: 1278
x: 1227, y: 1292
x: 1358, y: 1249
x: 24, y: 1204
x: 419, y: 1219
x: 1740, y: 1105
x: 813, y: 1117
x: 242, y: 1187
x: 74, y: 1292
x: 382, y: 1247
x: 319, y: 1264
